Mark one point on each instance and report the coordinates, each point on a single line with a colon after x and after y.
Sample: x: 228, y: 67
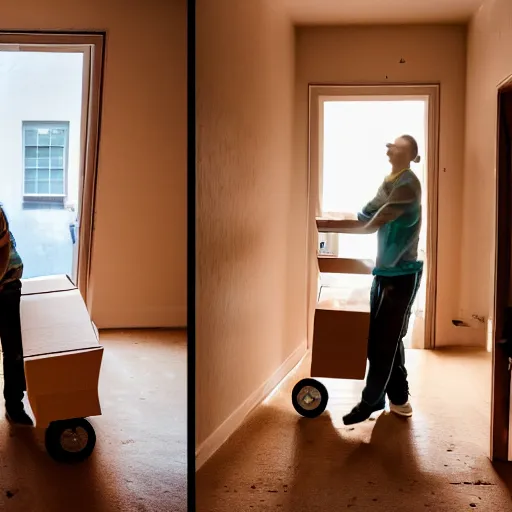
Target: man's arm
x: 399, y: 200
x: 5, y: 244
x: 373, y: 206
x: 376, y: 213
x: 352, y: 224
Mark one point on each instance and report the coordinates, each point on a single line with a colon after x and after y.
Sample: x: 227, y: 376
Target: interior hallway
x: 437, y: 460
x: 139, y: 463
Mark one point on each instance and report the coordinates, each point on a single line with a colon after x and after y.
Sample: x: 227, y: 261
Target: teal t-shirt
x: 398, y: 239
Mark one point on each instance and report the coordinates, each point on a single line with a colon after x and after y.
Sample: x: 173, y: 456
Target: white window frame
x: 47, y: 125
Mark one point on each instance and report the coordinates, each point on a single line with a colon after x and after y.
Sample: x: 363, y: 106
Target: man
x: 11, y: 270
x: 395, y: 213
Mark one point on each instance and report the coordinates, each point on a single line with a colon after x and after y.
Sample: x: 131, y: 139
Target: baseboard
x: 143, y: 329
x: 235, y: 420
x: 162, y: 318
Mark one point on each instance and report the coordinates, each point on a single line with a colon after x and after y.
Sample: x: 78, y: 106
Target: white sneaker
x: 402, y: 410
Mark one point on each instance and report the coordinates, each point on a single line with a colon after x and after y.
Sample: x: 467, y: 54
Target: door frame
x: 92, y: 45
x: 501, y: 442
x: 317, y: 92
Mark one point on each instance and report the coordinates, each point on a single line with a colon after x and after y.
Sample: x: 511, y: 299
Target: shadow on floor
x: 139, y: 462
x: 437, y: 460
x: 504, y: 471
x: 371, y: 466
x: 31, y: 480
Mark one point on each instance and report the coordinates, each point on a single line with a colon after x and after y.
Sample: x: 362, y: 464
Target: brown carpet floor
x: 437, y: 460
x: 139, y: 463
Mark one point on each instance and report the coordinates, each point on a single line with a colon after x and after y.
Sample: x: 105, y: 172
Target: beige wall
x: 250, y: 252
x: 489, y: 63
x: 139, y: 252
x: 366, y: 55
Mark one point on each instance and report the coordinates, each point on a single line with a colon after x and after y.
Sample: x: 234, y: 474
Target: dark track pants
x: 391, y: 300
x: 12, y: 348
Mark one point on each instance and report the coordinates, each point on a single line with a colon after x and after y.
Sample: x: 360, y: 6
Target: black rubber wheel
x: 70, y: 440
x: 309, y: 398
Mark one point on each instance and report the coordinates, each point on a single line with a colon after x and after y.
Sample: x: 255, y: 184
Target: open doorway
x: 354, y: 163
x: 41, y: 127
x: 350, y: 127
x: 49, y: 125
x: 501, y: 414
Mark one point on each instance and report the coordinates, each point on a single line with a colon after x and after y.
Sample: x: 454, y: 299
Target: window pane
x: 43, y: 162
x: 30, y: 174
x: 58, y: 137
x: 43, y: 174
x: 43, y: 186
x: 56, y: 152
x: 30, y: 187
x: 30, y: 162
x: 57, y: 175
x: 43, y: 138
x: 30, y: 152
x: 56, y: 187
x: 43, y: 152
x: 30, y: 137
x: 57, y: 157
x: 57, y: 163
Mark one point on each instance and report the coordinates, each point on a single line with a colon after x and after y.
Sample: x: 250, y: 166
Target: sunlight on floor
x: 438, y: 459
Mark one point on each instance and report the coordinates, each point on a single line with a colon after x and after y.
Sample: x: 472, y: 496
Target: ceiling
x: 314, y: 12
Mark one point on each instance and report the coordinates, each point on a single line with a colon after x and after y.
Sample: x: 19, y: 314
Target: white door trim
x: 317, y: 95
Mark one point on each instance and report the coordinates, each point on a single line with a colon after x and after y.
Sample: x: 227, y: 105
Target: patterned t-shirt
x: 398, y: 239
x: 15, y: 266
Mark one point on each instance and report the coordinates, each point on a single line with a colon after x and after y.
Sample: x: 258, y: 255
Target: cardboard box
x: 61, y: 351
x: 335, y: 265
x: 340, y: 337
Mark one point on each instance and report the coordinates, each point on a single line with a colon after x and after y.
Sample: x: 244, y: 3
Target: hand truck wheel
x: 70, y: 440
x: 309, y: 398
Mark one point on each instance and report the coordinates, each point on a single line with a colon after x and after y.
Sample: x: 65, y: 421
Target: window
x: 44, y: 164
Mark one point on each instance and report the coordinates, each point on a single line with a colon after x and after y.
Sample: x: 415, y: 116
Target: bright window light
x: 355, y: 134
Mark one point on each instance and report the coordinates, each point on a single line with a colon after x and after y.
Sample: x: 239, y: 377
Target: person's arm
x: 342, y: 225
x: 362, y: 223
x: 376, y: 214
x: 353, y: 223
x: 5, y: 244
x: 402, y: 196
x: 366, y: 217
